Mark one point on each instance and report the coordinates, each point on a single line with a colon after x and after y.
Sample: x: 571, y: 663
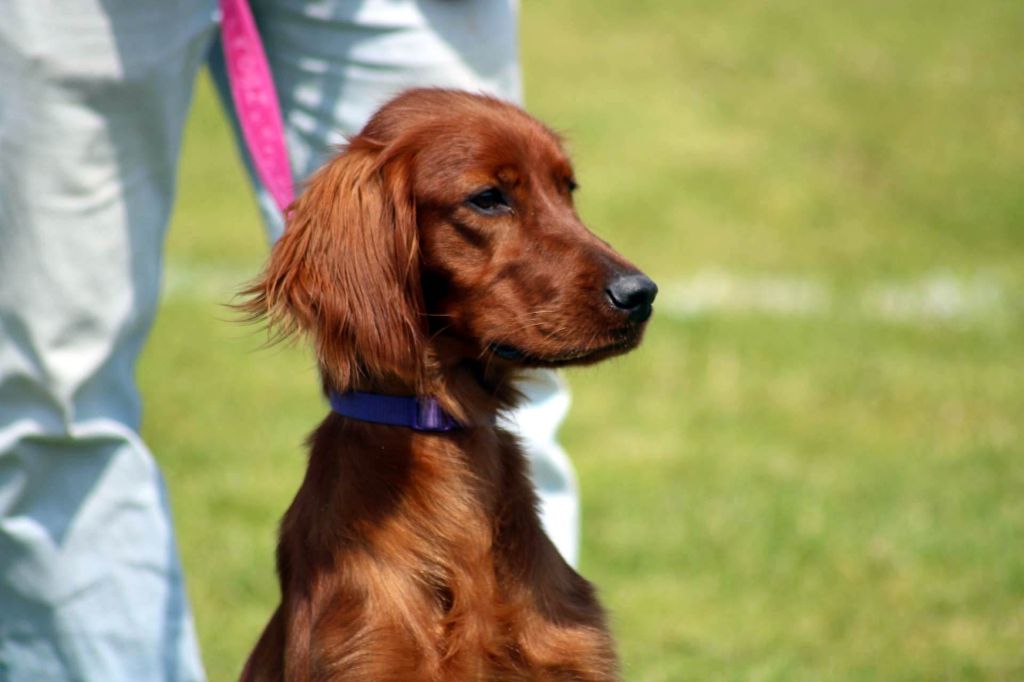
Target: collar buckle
x: 419, y: 413
x: 428, y: 416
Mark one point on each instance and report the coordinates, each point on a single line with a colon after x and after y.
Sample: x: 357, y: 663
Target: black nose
x: 633, y: 293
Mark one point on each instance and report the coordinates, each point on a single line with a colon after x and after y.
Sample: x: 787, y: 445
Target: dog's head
x: 445, y: 233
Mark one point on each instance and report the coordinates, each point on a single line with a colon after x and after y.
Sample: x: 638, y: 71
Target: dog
x: 431, y: 261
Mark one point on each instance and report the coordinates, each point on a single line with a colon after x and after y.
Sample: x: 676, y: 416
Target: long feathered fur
x: 412, y: 556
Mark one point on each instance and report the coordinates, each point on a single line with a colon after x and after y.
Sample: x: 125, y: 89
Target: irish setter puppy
x: 438, y: 255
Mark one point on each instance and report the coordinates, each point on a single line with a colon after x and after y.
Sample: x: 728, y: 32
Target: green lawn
x: 813, y: 468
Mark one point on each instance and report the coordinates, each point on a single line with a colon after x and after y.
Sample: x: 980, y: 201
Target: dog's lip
x: 507, y: 351
x: 517, y: 354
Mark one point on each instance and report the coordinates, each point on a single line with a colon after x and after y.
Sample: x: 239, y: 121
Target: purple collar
x: 415, y: 412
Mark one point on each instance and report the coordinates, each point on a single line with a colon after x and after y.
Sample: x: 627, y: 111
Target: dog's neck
x: 471, y: 391
x: 401, y: 469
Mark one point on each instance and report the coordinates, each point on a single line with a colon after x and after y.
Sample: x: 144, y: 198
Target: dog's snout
x: 632, y: 293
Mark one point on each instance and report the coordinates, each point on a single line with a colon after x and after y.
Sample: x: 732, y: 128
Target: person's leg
x: 93, y: 97
x: 536, y: 422
x: 334, y: 64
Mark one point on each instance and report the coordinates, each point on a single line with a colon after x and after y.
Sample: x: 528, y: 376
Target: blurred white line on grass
x: 219, y: 284
x: 938, y: 296
x: 934, y: 297
x: 713, y: 291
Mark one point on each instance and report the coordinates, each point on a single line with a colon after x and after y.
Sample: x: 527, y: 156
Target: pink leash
x: 256, y: 105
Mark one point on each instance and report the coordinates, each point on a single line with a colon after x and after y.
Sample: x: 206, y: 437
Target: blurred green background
x: 813, y: 468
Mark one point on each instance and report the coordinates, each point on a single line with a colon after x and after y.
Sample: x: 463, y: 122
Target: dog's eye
x: 490, y: 201
x: 571, y: 184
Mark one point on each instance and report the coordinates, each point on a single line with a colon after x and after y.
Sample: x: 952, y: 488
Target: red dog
x: 438, y: 255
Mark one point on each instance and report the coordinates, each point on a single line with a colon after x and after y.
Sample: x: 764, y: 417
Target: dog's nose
x: 632, y: 293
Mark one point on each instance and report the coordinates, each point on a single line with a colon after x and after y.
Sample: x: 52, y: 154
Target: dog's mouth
x: 571, y: 356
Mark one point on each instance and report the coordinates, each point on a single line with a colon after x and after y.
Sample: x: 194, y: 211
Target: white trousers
x: 93, y: 98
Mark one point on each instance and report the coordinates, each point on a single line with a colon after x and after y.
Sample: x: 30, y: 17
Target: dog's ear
x: 346, y: 271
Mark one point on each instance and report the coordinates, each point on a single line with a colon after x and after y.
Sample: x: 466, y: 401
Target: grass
x: 825, y: 493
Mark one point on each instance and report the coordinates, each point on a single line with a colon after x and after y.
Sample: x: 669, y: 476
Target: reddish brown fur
x: 412, y: 556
